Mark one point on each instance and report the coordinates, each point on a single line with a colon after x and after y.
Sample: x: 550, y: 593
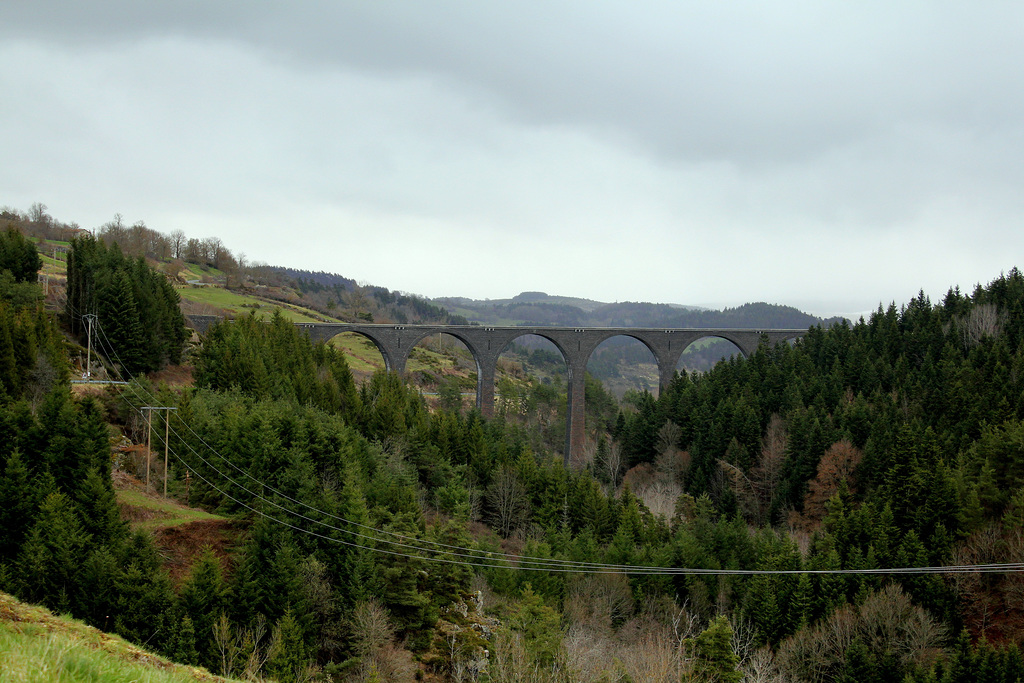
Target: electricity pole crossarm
x: 88, y: 358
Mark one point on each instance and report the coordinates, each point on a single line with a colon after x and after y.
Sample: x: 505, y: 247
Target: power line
x: 535, y: 563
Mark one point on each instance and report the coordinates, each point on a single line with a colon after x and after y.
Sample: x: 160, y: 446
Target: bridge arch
x: 706, y: 350
x: 385, y: 355
x: 424, y: 344
x: 621, y: 345
x: 511, y: 339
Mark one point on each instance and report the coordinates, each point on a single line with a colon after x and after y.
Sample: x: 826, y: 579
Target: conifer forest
x: 849, y: 507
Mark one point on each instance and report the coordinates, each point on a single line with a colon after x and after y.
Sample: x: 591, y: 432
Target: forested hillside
x: 537, y: 308
x: 847, y: 508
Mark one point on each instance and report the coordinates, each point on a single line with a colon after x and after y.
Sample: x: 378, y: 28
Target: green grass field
x: 150, y: 513
x: 241, y: 304
x: 204, y: 272
x: 35, y: 645
x: 362, y: 356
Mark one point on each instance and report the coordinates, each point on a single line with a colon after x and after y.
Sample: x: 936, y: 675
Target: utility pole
x: 149, y: 440
x: 88, y: 363
x: 167, y: 445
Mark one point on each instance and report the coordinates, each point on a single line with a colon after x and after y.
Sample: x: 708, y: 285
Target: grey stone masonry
x: 395, y: 342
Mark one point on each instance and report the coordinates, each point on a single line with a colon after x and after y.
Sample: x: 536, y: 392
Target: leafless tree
x: 177, y: 241
x: 613, y: 464
x: 653, y: 655
x: 760, y: 667
x: 888, y: 622
x: 755, y: 489
x: 37, y: 214
x: 588, y: 656
x: 227, y: 648
x: 509, y: 662
x: 138, y: 241
x: 193, y: 250
x: 984, y: 320
x: 669, y: 436
x: 507, y: 501
x: 598, y: 601
x: 371, y: 627
x: 322, y: 607
x: 983, y: 596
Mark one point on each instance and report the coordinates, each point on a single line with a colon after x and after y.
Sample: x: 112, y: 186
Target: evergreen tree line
x: 893, y: 442
x: 919, y: 513
x: 137, y: 308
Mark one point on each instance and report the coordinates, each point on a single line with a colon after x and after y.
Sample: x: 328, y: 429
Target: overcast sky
x: 828, y: 155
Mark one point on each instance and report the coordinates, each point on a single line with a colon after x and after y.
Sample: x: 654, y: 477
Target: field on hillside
x: 243, y: 304
x: 36, y: 645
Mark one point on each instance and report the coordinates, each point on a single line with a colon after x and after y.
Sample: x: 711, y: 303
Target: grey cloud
x: 796, y: 129
x: 744, y: 81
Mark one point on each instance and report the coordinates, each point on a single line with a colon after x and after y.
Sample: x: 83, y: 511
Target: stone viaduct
x: 485, y: 343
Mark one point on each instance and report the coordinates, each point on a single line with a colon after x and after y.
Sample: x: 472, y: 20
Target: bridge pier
x: 485, y: 388
x: 576, y: 417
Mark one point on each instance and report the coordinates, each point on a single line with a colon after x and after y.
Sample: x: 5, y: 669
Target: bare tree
x: 509, y: 662
x: 760, y: 667
x: 37, y: 214
x: 598, y: 601
x: 193, y: 250
x: 507, y: 501
x: 766, y: 476
x: 208, y: 250
x: 371, y: 627
x: 611, y: 464
x: 138, y: 239
x: 227, y: 648
x: 653, y: 655
x: 982, y: 596
x: 984, y: 320
x: 177, y: 242
x: 887, y: 623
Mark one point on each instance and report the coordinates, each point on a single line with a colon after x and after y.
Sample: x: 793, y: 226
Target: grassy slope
x: 151, y: 512
x: 180, y: 532
x: 35, y: 645
x: 242, y: 304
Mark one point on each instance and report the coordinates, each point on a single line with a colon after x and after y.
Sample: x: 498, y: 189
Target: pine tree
x: 714, y: 659
x: 17, y: 506
x: 143, y: 593
x: 204, y: 598
x: 287, y: 657
x: 97, y: 505
x: 9, y: 379
x: 120, y: 321
x: 181, y: 645
x: 19, y: 256
x: 52, y: 556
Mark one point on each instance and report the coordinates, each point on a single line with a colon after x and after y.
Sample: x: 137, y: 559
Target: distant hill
x: 540, y: 309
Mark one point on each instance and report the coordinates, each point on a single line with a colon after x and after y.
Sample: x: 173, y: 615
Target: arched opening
x: 624, y: 364
x: 530, y: 385
x: 444, y: 369
x: 703, y: 353
x: 361, y: 353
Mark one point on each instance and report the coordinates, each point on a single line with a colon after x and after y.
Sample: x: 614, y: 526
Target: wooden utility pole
x: 167, y: 445
x: 149, y: 440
